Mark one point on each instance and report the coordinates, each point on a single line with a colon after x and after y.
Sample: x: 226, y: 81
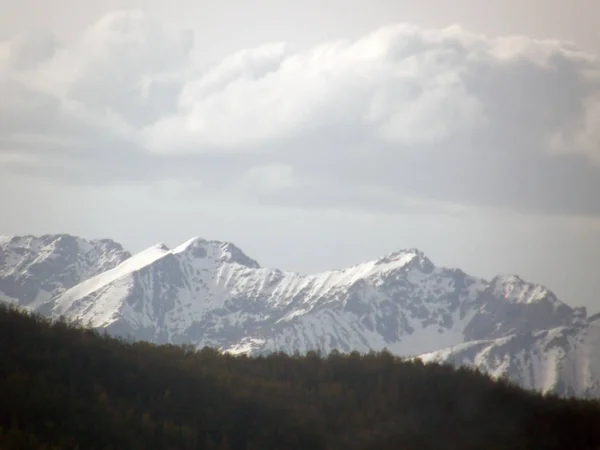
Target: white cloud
x: 403, y: 113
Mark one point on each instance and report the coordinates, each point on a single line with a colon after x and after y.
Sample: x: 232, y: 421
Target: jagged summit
x: 57, y: 238
x: 198, y: 247
x: 410, y: 258
x: 34, y: 270
x: 161, y: 246
x: 515, y: 289
x: 190, y: 244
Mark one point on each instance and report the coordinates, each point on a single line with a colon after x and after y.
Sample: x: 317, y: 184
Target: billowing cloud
x: 399, y: 117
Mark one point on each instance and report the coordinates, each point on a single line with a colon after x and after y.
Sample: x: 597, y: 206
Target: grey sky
x: 312, y: 134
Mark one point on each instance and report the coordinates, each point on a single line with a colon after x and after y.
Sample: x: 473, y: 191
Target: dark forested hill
x: 65, y: 387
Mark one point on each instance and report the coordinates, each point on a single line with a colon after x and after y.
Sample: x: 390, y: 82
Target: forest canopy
x: 63, y: 386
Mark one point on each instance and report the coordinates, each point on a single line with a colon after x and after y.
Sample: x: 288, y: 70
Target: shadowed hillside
x: 65, y: 387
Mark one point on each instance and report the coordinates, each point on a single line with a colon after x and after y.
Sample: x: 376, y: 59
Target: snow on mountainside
x: 210, y: 293
x: 565, y: 360
x: 33, y: 270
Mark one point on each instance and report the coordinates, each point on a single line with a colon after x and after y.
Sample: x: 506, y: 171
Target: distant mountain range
x: 209, y: 293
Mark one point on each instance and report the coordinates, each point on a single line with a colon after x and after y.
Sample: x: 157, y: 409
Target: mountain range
x: 210, y: 293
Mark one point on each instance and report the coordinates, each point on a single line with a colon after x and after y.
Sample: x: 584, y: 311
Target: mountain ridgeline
x: 209, y: 293
x: 64, y: 386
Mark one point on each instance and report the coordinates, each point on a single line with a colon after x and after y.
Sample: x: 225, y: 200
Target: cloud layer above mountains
x: 402, y: 116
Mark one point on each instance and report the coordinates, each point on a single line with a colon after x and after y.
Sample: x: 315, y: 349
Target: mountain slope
x: 34, y: 270
x: 198, y: 293
x: 209, y: 293
x: 563, y: 359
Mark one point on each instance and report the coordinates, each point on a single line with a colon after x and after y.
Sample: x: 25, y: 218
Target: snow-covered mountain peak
x: 399, y: 263
x: 191, y: 244
x: 161, y: 246
x: 19, y: 251
x: 33, y: 269
x: 224, y: 252
x: 61, y: 245
x: 412, y: 258
x: 235, y: 255
x: 514, y: 289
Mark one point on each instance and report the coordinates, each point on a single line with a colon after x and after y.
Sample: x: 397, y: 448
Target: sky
x: 314, y: 135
